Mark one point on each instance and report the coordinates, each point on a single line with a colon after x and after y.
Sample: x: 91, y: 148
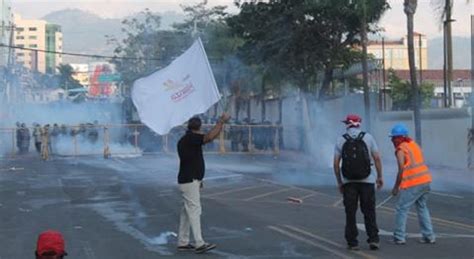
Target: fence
x: 136, y: 139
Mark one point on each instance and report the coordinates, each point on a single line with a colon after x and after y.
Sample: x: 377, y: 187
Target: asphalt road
x: 129, y: 208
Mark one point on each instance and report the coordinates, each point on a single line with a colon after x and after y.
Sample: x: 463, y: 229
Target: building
x: 44, y: 95
x: 461, y: 85
x: 81, y: 74
x: 396, y: 52
x: 37, y: 35
x: 6, y: 20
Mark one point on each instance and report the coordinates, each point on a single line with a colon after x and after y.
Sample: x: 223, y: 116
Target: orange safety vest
x: 415, y: 171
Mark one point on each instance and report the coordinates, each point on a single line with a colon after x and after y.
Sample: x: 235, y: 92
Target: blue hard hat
x: 399, y: 130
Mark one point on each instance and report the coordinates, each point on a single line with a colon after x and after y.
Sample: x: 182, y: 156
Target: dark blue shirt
x: 191, y: 160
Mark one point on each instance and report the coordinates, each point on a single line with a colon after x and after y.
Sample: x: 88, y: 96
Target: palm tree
x: 444, y: 8
x: 410, y: 9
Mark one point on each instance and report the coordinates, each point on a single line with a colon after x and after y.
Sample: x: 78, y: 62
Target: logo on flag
x: 169, y: 97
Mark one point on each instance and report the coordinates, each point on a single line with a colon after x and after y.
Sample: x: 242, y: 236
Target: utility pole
x: 420, y: 45
x: 10, y: 62
x: 410, y: 9
x: 384, y: 76
x: 449, y: 49
x: 365, y: 69
x: 470, y: 139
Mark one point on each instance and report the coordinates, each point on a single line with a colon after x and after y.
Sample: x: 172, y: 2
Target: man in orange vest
x: 411, y: 186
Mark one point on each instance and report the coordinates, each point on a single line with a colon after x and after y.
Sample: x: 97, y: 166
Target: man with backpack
x: 358, y: 151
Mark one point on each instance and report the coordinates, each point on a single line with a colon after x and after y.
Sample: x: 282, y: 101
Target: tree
x: 150, y: 47
x: 410, y: 9
x: 298, y: 38
x: 444, y: 9
x: 199, y: 17
x: 402, y: 96
x: 153, y: 48
x: 66, y: 81
x: 367, y: 8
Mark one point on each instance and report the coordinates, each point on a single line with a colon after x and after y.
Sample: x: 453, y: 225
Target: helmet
x: 399, y: 130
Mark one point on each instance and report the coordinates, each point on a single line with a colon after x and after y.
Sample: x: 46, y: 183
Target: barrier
x: 137, y: 139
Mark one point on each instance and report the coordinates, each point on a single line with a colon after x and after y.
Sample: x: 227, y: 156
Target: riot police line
x: 237, y: 137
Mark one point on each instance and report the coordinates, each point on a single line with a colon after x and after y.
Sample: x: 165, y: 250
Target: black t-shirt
x: 191, y: 160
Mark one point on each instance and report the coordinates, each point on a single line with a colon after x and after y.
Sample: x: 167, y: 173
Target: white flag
x: 171, y: 96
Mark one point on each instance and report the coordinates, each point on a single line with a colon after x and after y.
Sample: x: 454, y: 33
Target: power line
x: 77, y: 54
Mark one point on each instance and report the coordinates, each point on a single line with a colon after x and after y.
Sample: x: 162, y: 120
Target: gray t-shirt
x: 371, y: 145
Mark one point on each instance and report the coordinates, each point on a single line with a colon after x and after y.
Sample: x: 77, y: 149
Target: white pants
x: 190, y: 213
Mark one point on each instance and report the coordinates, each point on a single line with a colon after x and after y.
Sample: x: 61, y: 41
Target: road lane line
x: 309, y: 242
x: 234, y: 190
x: 443, y: 222
x: 267, y: 194
x: 447, y: 195
x: 320, y: 238
x: 223, y: 177
x: 293, y: 186
x: 308, y: 196
x: 338, y: 202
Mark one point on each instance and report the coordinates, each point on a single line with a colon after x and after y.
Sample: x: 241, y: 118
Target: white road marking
x: 338, y: 202
x: 383, y: 232
x: 223, y: 177
x: 384, y: 201
x: 234, y: 190
x: 309, y: 242
x: 320, y: 238
x: 447, y: 195
x: 268, y: 194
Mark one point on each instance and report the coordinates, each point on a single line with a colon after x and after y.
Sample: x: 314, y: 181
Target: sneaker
x: 353, y: 247
x: 425, y: 240
x: 204, y: 248
x: 398, y: 241
x: 374, y: 246
x: 187, y: 247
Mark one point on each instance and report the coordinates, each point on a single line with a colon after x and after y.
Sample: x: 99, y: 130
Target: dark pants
x: 38, y: 146
x: 365, y: 193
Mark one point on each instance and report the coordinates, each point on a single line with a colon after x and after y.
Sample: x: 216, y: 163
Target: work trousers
x: 365, y: 193
x: 190, y: 213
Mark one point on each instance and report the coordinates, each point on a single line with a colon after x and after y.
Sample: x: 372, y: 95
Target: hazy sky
x: 393, y: 21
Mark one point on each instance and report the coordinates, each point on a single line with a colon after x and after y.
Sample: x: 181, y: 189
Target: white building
x: 5, y: 29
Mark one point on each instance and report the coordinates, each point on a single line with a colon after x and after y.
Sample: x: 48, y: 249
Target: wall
x: 444, y: 134
x: 444, y: 131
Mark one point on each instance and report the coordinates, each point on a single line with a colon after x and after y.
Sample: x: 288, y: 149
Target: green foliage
x: 153, y: 48
x: 65, y: 77
x: 298, y: 38
x: 401, y: 93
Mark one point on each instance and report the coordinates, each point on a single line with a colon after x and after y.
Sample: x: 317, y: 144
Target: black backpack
x: 355, y: 158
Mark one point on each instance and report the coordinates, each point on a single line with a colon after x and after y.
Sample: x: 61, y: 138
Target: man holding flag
x: 168, y: 98
x: 191, y: 174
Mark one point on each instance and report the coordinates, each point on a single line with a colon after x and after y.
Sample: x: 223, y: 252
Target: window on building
x: 33, y: 45
x: 32, y: 29
x: 32, y: 37
x: 20, y: 37
x: 20, y: 29
x: 20, y: 54
x: 20, y: 45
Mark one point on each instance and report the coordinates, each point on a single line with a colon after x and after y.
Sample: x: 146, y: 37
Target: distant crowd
x: 45, y: 137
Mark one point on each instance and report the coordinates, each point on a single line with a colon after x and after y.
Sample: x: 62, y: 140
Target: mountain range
x: 85, y: 32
